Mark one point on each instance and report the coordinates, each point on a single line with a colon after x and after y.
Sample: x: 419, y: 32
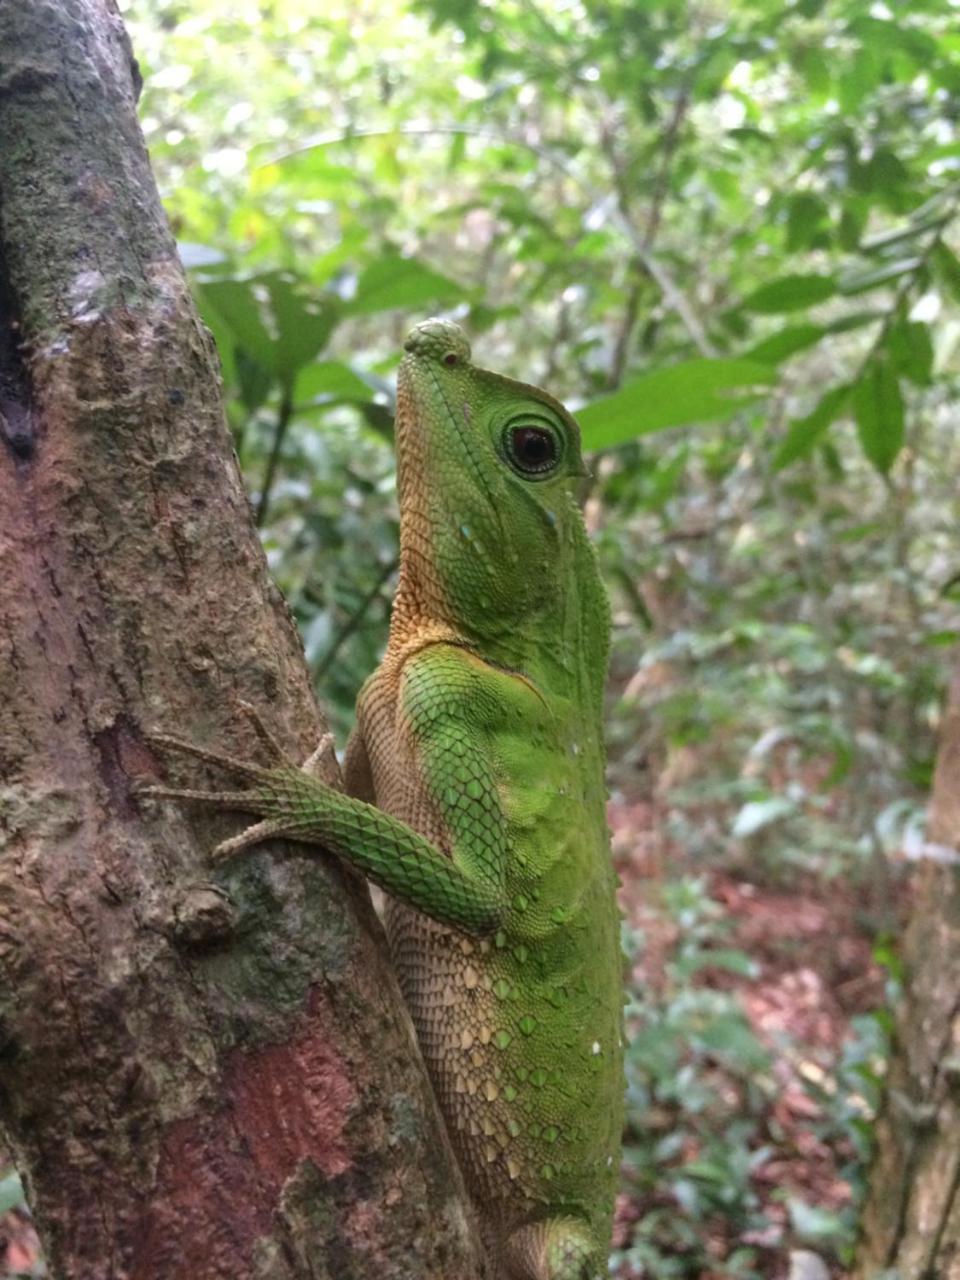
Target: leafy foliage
x: 702, y: 1092
x: 737, y: 220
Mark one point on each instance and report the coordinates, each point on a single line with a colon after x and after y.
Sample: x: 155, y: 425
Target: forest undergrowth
x: 757, y: 1020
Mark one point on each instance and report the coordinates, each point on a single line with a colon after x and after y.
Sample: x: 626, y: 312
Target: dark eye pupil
x: 533, y: 447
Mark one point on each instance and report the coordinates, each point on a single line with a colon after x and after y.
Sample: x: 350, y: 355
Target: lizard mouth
x: 468, y: 441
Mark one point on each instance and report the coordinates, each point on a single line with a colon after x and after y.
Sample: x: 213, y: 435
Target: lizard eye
x: 532, y: 448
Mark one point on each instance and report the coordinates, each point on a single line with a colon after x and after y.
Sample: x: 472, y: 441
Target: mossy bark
x: 911, y: 1224
x: 204, y: 1074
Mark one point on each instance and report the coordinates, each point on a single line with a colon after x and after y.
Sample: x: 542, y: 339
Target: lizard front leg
x: 462, y: 889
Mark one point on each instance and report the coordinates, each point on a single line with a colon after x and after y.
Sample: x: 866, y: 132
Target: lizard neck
x: 420, y: 605
x: 561, y: 644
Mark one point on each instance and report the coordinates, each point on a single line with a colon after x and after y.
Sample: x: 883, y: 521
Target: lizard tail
x: 554, y: 1249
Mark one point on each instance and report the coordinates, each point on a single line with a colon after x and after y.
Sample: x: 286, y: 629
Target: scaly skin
x: 478, y: 743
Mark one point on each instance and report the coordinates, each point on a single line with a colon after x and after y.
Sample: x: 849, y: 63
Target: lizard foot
x: 274, y: 793
x: 558, y: 1249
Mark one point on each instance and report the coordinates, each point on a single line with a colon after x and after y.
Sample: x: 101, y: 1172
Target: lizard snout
x: 441, y: 340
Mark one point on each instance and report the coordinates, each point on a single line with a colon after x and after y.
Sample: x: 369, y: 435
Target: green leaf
x: 278, y: 324
x: 239, y: 311
x: 852, y: 221
x: 695, y: 959
x: 883, y: 174
x: 253, y: 381
x: 815, y: 69
x: 378, y: 417
x: 917, y: 44
x: 855, y: 320
x: 878, y: 409
x: 308, y: 167
x: 329, y: 378
x: 304, y: 322
x: 910, y: 348
x: 457, y: 151
x: 859, y: 78
x: 883, y: 240
x: 693, y: 391
x: 790, y: 293
x: 804, y: 433
x: 750, y: 133
x: 812, y: 1223
x: 806, y: 216
x: 857, y: 532
x: 393, y: 283
x: 947, y: 269
x: 779, y: 346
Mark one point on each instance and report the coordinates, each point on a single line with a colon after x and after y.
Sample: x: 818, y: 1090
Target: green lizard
x: 476, y: 800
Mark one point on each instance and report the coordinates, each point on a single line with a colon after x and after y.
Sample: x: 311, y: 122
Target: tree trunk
x: 203, y: 1074
x: 911, y: 1223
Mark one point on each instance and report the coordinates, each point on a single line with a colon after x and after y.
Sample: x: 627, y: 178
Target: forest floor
x: 803, y: 973
x: 799, y: 961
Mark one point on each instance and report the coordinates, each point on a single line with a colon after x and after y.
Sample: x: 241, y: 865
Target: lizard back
x: 481, y: 731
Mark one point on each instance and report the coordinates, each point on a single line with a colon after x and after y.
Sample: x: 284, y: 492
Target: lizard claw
x: 267, y: 740
x: 268, y: 829
x: 322, y: 763
x: 244, y: 768
x: 242, y: 800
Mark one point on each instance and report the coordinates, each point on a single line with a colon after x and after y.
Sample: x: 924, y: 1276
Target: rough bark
x: 200, y: 1074
x: 911, y: 1224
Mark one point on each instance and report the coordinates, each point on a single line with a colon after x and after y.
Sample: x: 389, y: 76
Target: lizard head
x: 491, y: 535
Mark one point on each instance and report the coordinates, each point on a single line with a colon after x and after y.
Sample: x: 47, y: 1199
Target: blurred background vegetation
x: 724, y: 234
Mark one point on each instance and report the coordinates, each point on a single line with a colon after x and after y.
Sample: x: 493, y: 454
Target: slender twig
x: 621, y: 347
x: 353, y: 622
x: 675, y: 298
x: 561, y: 333
x: 284, y: 414
x: 661, y: 185
x: 661, y: 188
x: 334, y: 137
